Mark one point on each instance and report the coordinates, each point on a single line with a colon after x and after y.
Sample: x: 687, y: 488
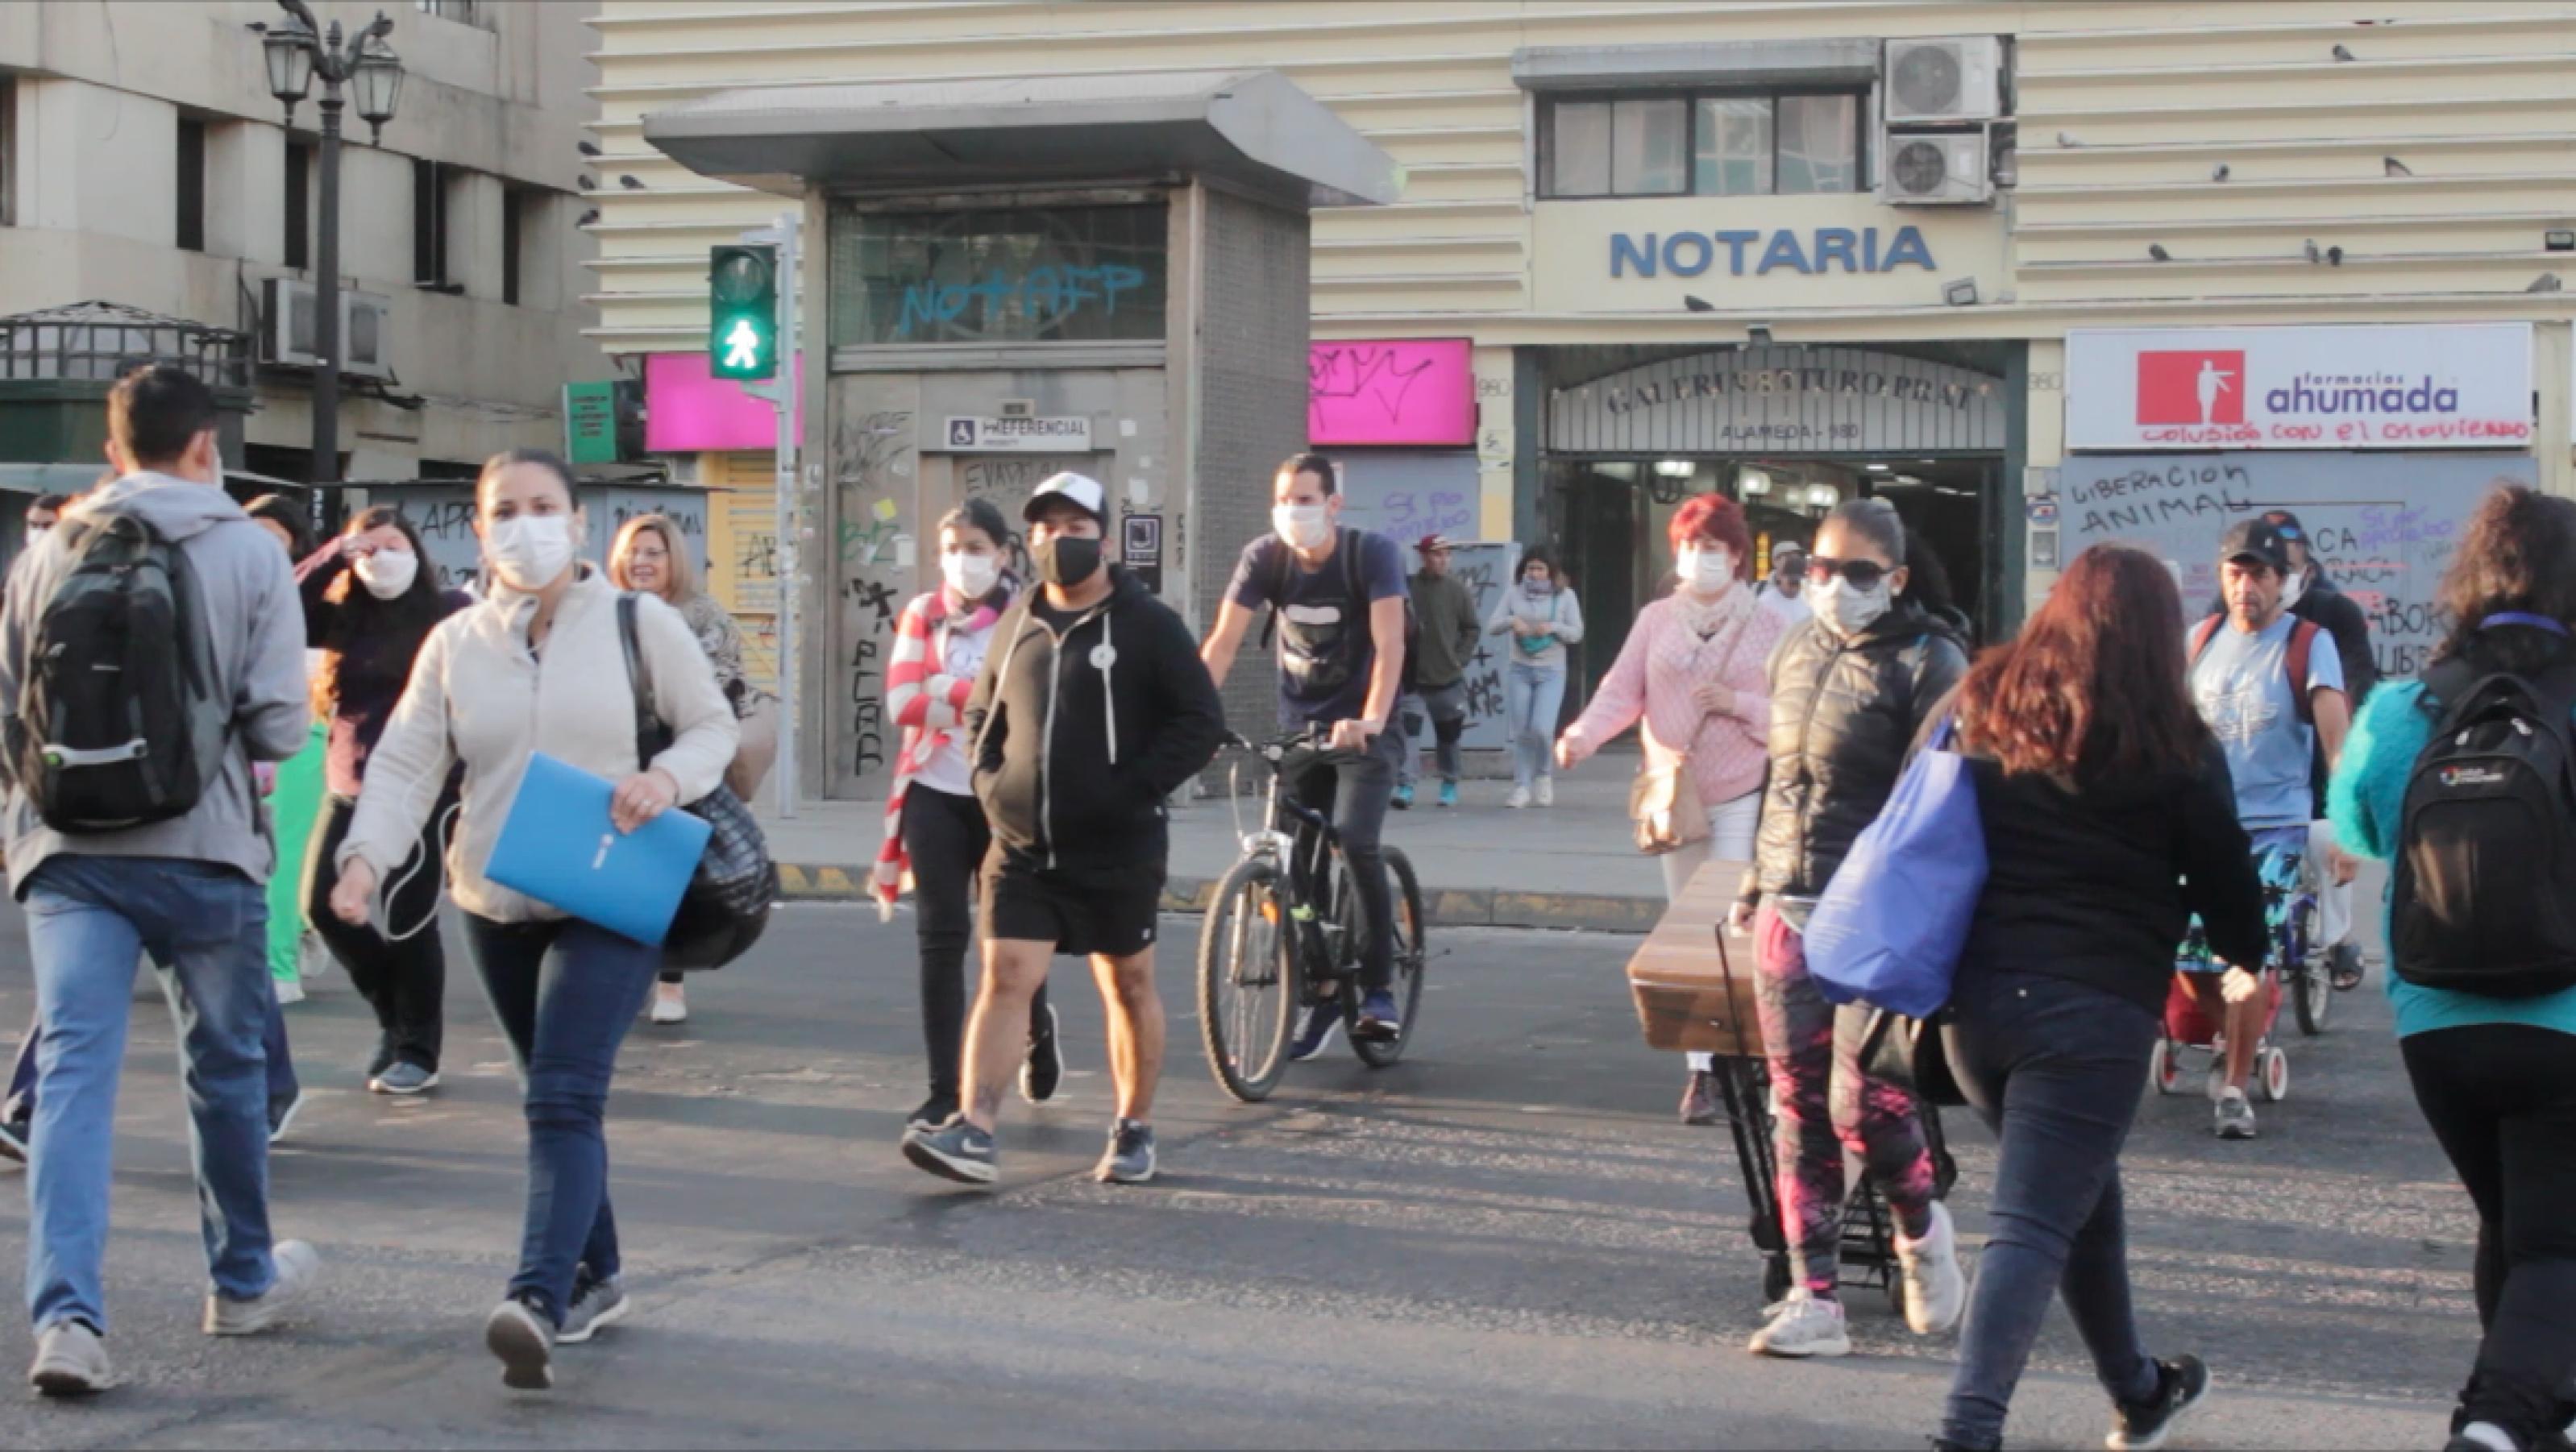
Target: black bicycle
x: 1283, y: 933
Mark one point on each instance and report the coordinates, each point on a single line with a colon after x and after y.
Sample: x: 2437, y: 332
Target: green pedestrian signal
x: 742, y: 319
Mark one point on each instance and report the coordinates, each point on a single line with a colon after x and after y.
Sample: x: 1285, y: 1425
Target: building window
x: 428, y: 224
x: 514, y: 209
x: 299, y: 203
x: 463, y: 12
x: 992, y: 275
x: 192, y: 184
x: 1716, y: 144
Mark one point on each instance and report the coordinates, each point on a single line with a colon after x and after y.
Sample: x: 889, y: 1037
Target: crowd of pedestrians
x: 2137, y: 780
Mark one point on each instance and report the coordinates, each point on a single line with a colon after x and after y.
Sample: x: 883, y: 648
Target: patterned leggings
x: 1822, y: 1103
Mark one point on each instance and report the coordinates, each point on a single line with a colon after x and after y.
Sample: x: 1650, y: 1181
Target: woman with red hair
x: 2108, y: 821
x: 1694, y: 672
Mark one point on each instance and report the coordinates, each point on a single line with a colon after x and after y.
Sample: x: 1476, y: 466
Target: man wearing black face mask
x: 1091, y: 709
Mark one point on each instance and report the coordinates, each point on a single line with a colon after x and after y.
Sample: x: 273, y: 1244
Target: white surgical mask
x: 387, y: 573
x: 1303, y: 526
x: 971, y: 576
x: 1707, y: 569
x: 2293, y: 587
x: 530, y: 551
x: 1852, y: 611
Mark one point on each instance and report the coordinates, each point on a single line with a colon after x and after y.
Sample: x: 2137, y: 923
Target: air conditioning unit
x: 1936, y: 169
x: 1958, y: 78
x: 286, y: 331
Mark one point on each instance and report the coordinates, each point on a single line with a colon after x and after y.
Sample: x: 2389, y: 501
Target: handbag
x: 1891, y: 924
x: 1664, y: 802
x: 726, y: 907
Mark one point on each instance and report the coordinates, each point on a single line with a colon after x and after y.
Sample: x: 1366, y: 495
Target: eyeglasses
x: 1863, y: 575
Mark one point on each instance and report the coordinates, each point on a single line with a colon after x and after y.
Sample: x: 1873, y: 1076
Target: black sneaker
x: 935, y: 1111
x: 1130, y: 1158
x: 956, y: 1150
x: 1044, y: 1071
x: 14, y: 1134
x: 2343, y: 967
x: 2181, y: 1384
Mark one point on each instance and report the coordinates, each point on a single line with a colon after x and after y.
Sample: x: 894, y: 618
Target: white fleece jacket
x: 480, y: 696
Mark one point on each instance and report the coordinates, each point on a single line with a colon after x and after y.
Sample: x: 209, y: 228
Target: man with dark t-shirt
x: 1340, y: 594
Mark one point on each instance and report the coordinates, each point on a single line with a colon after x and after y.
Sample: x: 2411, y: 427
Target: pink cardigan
x: 1661, y: 665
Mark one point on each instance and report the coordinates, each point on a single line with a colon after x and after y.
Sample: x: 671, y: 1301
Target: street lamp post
x: 296, y: 52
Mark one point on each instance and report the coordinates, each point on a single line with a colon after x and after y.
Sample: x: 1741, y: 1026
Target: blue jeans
x: 1532, y: 698
x: 20, y: 1105
x: 207, y: 927
x: 565, y: 993
x: 2056, y: 1069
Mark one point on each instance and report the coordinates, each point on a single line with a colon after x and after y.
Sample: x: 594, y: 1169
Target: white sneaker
x: 1802, y: 1326
x: 1547, y: 791
x: 1936, y: 1293
x: 670, y: 1003
x: 71, y: 1361
x: 298, y: 1267
x: 1519, y: 798
x: 2235, y: 1116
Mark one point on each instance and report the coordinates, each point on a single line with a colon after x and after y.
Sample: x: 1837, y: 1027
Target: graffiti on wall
x: 872, y: 467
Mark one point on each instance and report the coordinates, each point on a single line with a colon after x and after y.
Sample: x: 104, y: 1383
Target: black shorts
x: 1112, y: 912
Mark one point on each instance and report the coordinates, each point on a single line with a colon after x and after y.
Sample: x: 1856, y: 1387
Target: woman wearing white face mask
x: 648, y: 556
x: 1692, y: 672
x: 936, y: 834
x: 1850, y: 691
x: 1542, y: 617
x: 370, y: 600
x: 541, y: 665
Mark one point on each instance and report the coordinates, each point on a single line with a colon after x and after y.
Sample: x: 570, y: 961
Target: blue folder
x: 558, y: 847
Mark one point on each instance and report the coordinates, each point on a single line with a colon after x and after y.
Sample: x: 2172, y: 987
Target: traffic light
x: 742, y: 317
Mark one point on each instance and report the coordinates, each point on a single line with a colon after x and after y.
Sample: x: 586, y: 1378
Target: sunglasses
x: 1863, y: 575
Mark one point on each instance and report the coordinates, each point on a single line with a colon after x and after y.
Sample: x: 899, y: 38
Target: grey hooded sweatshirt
x: 248, y: 604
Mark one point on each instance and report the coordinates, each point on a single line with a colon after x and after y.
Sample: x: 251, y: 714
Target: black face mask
x: 1066, y: 561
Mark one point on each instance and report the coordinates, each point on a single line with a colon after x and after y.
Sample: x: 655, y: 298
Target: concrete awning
x: 1256, y: 129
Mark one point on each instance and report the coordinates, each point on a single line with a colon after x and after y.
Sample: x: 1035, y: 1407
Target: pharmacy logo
x: 2191, y: 386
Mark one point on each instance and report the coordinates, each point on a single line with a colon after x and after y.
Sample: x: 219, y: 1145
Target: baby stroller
x: 2188, y: 1028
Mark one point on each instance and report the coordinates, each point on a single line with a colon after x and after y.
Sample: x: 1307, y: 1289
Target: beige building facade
x: 144, y: 163
x: 2040, y: 274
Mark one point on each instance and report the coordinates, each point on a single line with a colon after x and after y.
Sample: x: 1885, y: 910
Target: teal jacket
x: 2366, y: 802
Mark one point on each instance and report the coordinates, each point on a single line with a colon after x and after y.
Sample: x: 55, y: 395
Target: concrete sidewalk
x: 1569, y: 866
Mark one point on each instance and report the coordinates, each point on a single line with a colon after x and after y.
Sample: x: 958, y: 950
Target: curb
x: 1448, y: 907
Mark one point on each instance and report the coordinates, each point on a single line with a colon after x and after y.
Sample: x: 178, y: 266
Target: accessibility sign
x: 968, y: 434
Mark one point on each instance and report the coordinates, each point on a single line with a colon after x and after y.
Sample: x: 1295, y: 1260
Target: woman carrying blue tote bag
x: 1891, y: 923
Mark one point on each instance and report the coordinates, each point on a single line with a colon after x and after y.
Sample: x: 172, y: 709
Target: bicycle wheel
x: 1406, y: 981
x: 1247, y: 981
x: 2312, y: 987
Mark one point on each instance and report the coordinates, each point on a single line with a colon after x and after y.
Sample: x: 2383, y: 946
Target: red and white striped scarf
x: 930, y: 706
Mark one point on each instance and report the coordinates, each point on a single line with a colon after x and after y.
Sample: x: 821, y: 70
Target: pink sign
x: 687, y: 410
x: 1399, y: 391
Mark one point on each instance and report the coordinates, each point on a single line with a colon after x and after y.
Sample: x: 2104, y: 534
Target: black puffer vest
x: 1843, y: 714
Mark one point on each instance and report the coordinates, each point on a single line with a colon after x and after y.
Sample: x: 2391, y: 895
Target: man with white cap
x: 1091, y: 709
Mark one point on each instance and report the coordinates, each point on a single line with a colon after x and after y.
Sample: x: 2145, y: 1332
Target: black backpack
x: 2485, y: 894
x: 1346, y: 549
x: 117, y: 725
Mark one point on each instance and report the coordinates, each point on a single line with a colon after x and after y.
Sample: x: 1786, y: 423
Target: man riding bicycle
x: 1340, y: 598
x: 2272, y: 693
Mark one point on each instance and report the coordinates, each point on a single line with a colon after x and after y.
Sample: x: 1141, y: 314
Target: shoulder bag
x: 726, y: 907
x: 1663, y: 802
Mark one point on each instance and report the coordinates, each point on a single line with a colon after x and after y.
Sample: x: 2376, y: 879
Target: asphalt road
x: 1504, y: 1241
